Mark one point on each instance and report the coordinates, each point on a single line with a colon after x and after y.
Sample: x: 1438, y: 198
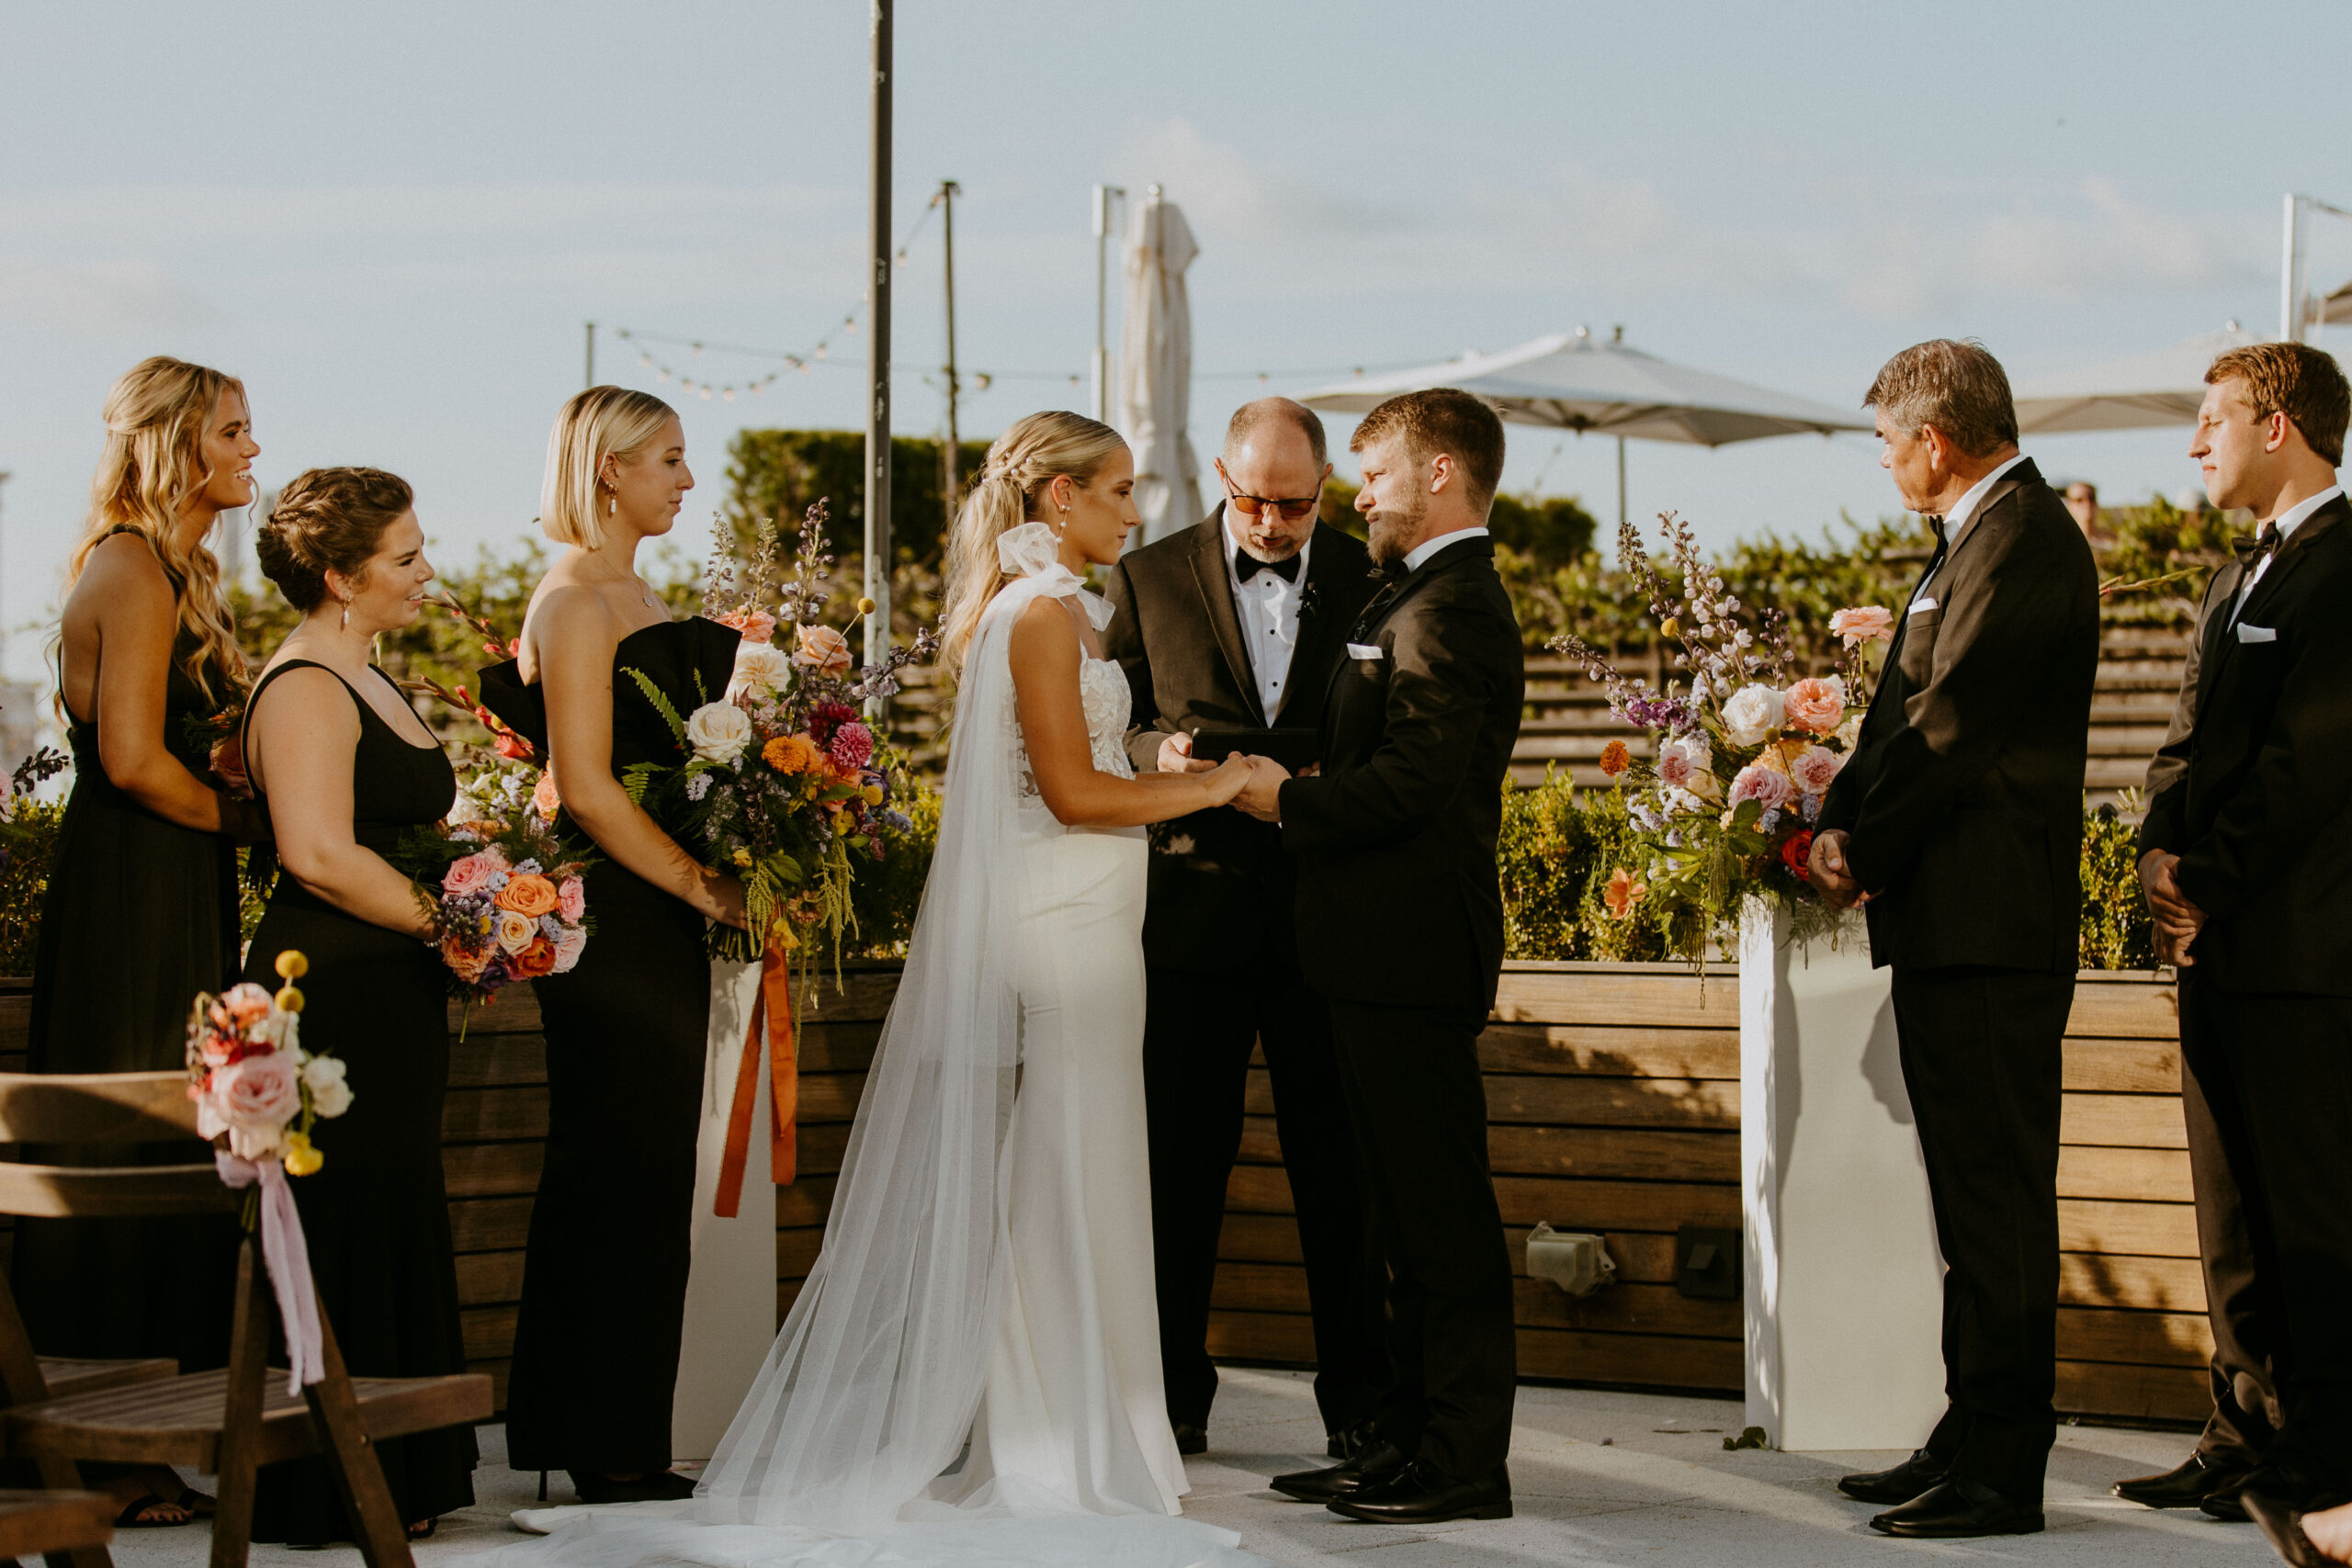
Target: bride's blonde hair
x: 1031, y: 453
x: 153, y: 466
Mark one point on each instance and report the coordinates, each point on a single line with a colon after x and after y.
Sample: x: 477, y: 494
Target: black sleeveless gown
x: 604, y: 1281
x: 140, y: 914
x: 376, y: 1217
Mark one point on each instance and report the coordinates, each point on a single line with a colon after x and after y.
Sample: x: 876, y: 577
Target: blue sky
x: 393, y: 220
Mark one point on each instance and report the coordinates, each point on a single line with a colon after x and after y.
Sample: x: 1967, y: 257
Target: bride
x: 985, y: 1291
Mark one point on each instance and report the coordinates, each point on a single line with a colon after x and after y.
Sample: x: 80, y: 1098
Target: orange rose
x: 467, y: 962
x: 544, y: 795
x: 534, y: 961
x: 823, y: 649
x: 529, y: 895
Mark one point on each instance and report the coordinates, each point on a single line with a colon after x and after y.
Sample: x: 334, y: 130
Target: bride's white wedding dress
x: 986, y: 1284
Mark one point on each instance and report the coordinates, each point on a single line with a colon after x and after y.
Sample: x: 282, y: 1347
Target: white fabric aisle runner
x: 637, y: 1534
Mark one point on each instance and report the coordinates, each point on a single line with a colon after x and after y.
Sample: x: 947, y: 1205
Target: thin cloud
x: 97, y: 299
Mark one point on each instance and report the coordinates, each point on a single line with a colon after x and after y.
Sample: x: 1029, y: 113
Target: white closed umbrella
x: 1155, y: 370
x: 1574, y: 381
x: 2163, y: 387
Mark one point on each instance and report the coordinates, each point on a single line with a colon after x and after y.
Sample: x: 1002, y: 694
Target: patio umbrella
x: 1155, y: 370
x: 1573, y: 381
x: 2159, y: 387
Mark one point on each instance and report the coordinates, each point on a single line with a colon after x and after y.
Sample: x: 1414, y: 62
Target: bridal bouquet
x: 257, y: 1092
x: 507, y: 895
x: 785, y: 782
x: 1743, y: 756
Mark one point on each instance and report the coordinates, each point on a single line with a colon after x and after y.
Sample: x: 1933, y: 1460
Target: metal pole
x: 2290, y: 274
x: 1103, y: 196
x: 949, y: 457
x: 1621, y: 481
x: 591, y: 355
x: 877, y: 353
x: 3, y: 606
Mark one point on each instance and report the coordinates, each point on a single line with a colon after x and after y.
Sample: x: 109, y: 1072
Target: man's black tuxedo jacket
x: 1220, y: 892
x: 1399, y: 897
x: 1964, y: 793
x: 2261, y: 813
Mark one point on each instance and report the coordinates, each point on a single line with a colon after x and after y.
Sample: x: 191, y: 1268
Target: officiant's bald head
x: 1273, y: 465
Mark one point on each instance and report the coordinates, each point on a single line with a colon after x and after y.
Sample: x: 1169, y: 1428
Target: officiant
x: 1229, y: 634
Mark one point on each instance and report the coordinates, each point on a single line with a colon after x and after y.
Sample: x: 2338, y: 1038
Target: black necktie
x: 1249, y: 566
x: 2250, y: 552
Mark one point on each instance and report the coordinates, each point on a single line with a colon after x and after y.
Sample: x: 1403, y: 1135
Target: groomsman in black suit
x: 1959, y: 819
x: 1237, y: 624
x: 2250, y: 876
x: 1400, y: 924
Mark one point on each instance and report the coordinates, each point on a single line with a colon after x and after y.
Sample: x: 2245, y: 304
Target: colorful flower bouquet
x: 257, y: 1092
x: 507, y: 897
x: 1744, y: 755
x: 785, y: 782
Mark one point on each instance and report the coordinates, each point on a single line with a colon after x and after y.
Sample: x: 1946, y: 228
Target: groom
x: 1400, y: 925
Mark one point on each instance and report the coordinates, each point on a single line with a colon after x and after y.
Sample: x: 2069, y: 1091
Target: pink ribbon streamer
x: 288, y: 1256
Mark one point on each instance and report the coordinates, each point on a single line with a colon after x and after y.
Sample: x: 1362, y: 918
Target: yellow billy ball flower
x: 866, y: 607
x: 292, y: 966
x: 289, y: 999
x: 301, y: 1159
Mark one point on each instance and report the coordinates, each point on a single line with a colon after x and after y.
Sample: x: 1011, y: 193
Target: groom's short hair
x: 1448, y: 420
x: 1957, y: 387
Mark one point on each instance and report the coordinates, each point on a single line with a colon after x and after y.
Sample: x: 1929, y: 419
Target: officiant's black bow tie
x: 1251, y: 566
x: 2250, y: 552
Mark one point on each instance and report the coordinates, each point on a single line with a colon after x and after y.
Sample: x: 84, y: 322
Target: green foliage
x: 2118, y: 931
x: 1557, y: 848
x: 28, y: 836
x: 2158, y: 559
x: 884, y: 898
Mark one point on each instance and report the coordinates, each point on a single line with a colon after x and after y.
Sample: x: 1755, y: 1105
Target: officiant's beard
x: 1392, y: 528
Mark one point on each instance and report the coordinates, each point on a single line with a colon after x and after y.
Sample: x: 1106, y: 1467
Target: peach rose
x: 536, y: 960
x: 1814, y: 769
x: 571, y: 899
x: 1815, y: 704
x: 757, y: 625
x: 543, y: 793
x: 822, y: 649
x: 1864, y: 623
x: 527, y: 894
x: 468, y: 963
x: 240, y: 1006
x: 568, y: 949
x: 516, y: 931
x: 468, y: 875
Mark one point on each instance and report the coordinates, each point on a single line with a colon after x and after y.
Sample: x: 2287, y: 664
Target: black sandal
x: 129, y: 1520
x: 425, y: 1532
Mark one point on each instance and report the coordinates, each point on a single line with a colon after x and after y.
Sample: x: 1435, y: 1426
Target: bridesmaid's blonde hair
x: 603, y: 421
x: 1029, y: 456
x: 153, y: 466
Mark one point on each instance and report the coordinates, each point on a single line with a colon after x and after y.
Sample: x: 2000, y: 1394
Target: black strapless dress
x: 140, y: 914
x: 376, y: 1215
x: 605, y: 1280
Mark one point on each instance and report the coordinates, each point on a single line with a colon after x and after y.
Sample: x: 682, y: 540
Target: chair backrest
x: 127, y: 1109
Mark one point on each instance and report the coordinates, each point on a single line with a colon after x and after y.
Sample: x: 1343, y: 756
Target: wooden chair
x: 230, y: 1422
x: 54, y: 1524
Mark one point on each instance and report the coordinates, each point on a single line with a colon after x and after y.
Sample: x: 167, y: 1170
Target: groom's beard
x: 1390, y: 527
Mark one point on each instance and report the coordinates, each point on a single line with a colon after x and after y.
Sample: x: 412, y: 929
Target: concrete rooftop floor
x: 1659, y: 1489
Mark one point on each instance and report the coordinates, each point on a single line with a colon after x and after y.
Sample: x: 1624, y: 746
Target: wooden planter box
x: 1613, y: 1094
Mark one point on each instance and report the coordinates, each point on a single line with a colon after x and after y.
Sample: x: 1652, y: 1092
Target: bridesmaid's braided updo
x: 328, y: 520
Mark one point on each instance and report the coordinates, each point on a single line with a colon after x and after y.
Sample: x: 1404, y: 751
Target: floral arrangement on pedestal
x: 257, y: 1092
x: 785, y: 782
x: 1744, y: 754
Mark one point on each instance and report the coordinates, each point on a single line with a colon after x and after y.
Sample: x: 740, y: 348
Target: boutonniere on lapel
x: 1309, y: 598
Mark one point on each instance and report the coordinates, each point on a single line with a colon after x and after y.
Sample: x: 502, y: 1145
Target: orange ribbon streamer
x: 771, y: 1022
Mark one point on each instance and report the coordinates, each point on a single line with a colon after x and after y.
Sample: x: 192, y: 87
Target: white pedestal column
x: 1844, y: 1281
x: 731, y: 1294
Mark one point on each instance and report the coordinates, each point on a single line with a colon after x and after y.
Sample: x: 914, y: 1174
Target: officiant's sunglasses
x: 1289, y: 510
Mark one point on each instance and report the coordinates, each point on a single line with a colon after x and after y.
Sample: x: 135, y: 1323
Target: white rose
x: 1752, y: 716
x: 760, y: 666
x: 330, y: 1095
x: 1850, y: 732
x: 718, y: 731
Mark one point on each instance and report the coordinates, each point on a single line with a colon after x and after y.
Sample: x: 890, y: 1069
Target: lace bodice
x: 1102, y: 691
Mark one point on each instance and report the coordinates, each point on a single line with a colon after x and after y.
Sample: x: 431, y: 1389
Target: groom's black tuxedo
x: 2259, y: 809
x: 1400, y: 925
x: 1963, y: 799
x: 1222, y: 971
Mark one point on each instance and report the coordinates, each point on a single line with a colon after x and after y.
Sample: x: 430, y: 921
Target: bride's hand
x: 1226, y: 779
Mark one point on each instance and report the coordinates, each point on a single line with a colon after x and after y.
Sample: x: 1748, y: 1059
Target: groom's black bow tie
x: 2251, y: 552
x: 1249, y: 566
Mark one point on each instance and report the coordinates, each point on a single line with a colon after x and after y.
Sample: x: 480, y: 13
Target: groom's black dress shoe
x: 1191, y: 1440
x: 654, y: 1486
x: 1914, y: 1477
x: 1421, y: 1494
x: 1382, y: 1459
x: 1349, y: 1441
x: 2197, y: 1479
x: 1961, y: 1507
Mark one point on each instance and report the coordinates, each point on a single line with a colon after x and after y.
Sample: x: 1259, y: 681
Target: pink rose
x: 822, y: 649
x: 567, y: 947
x: 1673, y: 767
x: 570, y: 900
x: 1814, y: 769
x: 468, y: 875
x: 1815, y: 705
x: 757, y: 625
x: 852, y: 747
x: 1762, y: 784
x: 263, y: 1091
x: 1864, y: 623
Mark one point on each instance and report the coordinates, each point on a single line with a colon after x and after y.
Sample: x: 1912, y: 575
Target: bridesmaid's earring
x: 346, y: 614
x: 613, y: 506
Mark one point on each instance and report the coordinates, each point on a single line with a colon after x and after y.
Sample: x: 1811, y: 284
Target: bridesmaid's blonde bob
x: 601, y: 423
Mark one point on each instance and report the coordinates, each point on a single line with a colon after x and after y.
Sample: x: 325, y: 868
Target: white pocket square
x: 1919, y: 605
x: 1364, y: 651
x: 2257, y: 634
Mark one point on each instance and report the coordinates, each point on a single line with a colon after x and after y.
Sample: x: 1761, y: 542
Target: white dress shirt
x: 1957, y: 520
x: 1428, y: 547
x: 2286, y: 523
x: 1269, y: 610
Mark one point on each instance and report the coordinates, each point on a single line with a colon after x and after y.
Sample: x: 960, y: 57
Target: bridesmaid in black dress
x: 346, y: 767
x: 141, y: 909
x: 605, y: 1280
